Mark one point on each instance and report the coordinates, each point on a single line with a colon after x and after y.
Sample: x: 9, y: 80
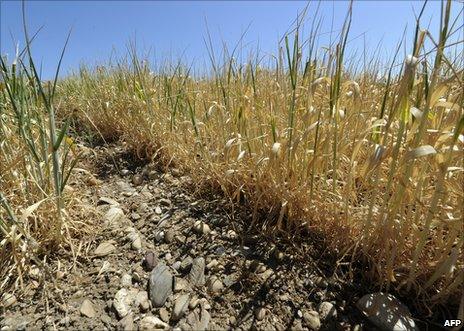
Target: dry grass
x: 36, y: 160
x: 375, y: 165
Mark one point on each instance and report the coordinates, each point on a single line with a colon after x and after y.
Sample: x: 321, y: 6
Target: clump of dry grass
x: 36, y: 160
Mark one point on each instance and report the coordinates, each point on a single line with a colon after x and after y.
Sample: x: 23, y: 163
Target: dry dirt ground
x: 211, y: 272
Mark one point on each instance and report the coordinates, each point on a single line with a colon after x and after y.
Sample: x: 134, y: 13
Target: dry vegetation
x: 317, y: 143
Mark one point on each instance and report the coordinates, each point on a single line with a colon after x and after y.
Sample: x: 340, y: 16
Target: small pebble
x: 149, y: 261
x: 137, y: 179
x: 87, y: 309
x: 260, y: 313
x: 126, y: 280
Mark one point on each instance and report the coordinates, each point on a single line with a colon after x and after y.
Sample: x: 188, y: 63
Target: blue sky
x: 171, y: 28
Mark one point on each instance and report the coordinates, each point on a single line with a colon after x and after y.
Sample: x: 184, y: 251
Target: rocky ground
x: 166, y: 257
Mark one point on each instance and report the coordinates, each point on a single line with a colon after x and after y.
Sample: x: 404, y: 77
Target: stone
x: 126, y: 280
x: 150, y: 261
x: 160, y: 285
x: 127, y: 323
x: 113, y: 215
x: 229, y: 280
x: 107, y: 201
x: 327, y: 311
x: 312, y: 320
x: 137, y: 179
x: 194, y: 302
x: 8, y: 300
x: 180, y: 306
x: 65, y: 321
x: 142, y: 301
x: 232, y: 320
x: 186, y: 263
x: 260, y: 313
x: 105, y: 319
x: 197, y: 272
x: 158, y: 210
x: 123, y: 300
x: 135, y: 238
x: 215, y: 285
x: 105, y: 248
x: 137, y: 243
x: 159, y: 236
x: 176, y: 265
x: 124, y: 172
x: 201, y: 227
x: 204, y: 303
x: 278, y: 255
x: 231, y: 234
x: 164, y: 314
x: 87, y: 309
x: 267, y: 274
x: 149, y: 323
x: 137, y: 275
x: 321, y: 282
x: 297, y: 326
x: 386, y: 312
x: 180, y: 285
x: 165, y: 202
x: 214, y: 263
x: 202, y: 321
x: 169, y: 236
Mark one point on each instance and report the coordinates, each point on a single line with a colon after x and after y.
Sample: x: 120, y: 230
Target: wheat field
x: 369, y: 158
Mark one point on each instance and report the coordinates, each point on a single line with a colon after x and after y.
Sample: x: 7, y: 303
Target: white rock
x: 142, y: 301
x: 87, y: 309
x: 113, y: 215
x: 123, y: 300
x: 201, y: 227
x: 194, y: 302
x: 204, y: 304
x: 215, y: 285
x: 149, y: 323
x: 312, y: 319
x: 8, y: 300
x: 164, y: 314
x: 386, y: 312
x: 212, y: 264
x: 327, y: 311
x: 104, y: 249
x: 180, y: 306
x: 231, y: 234
x: 108, y: 201
x: 137, y: 244
x: 201, y: 321
x: 127, y: 323
x: 180, y: 285
x: 126, y: 280
x: 260, y: 313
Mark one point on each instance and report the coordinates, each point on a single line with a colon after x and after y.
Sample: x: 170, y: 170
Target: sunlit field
x: 369, y: 157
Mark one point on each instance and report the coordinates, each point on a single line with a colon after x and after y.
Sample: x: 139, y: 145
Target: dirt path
x: 166, y: 258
